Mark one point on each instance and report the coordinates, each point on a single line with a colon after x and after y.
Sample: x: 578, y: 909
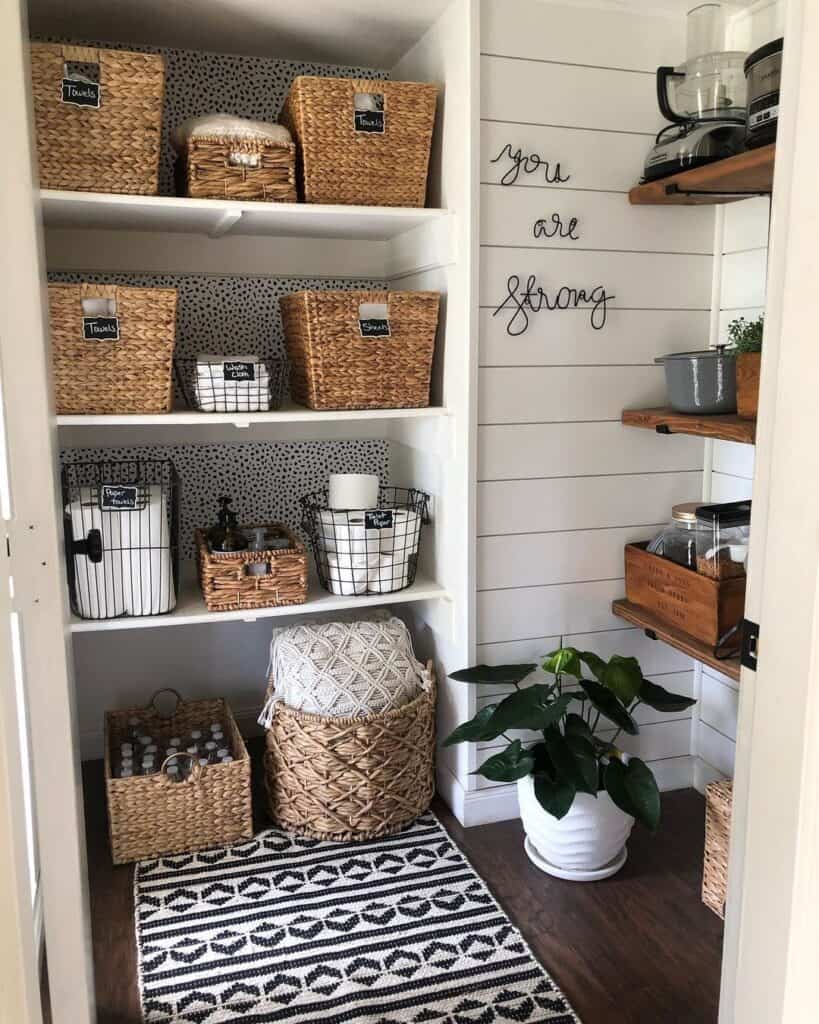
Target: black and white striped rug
x: 280, y: 929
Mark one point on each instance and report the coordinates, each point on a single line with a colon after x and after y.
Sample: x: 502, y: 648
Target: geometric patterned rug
x: 400, y: 930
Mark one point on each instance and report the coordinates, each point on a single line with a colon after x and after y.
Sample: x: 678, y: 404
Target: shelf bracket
x: 226, y: 220
x: 674, y: 190
x: 663, y: 428
x: 650, y: 634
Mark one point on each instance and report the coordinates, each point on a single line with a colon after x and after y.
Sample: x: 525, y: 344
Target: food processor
x: 703, y: 98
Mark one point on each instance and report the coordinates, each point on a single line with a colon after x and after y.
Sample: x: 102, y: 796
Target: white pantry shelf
x: 190, y: 608
x: 216, y: 218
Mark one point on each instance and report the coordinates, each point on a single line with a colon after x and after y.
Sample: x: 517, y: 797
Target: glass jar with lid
x: 723, y: 532
x: 678, y: 541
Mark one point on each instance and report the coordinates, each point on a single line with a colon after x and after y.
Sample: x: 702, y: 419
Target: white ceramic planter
x: 589, y: 843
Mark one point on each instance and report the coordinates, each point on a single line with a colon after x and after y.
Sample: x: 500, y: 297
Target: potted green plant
x: 579, y: 793
x: 745, y: 339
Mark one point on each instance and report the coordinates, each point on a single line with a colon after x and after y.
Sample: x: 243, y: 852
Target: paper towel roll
x: 353, y: 490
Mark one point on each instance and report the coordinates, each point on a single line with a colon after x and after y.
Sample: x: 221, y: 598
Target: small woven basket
x: 354, y: 160
x: 336, y: 364
x: 113, y: 147
x: 351, y: 778
x: 227, y: 585
x: 221, y: 167
x: 153, y: 815
x: 718, y: 796
x: 132, y: 373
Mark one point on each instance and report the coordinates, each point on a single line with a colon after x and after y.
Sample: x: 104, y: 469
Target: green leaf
x: 512, y: 764
x: 473, y: 730
x: 577, y: 726
x: 563, y: 661
x: 531, y: 708
x: 580, y: 771
x: 496, y: 675
x: 614, y: 779
x: 623, y: 677
x: 586, y: 758
x: 634, y: 789
x: 661, y: 700
x: 607, y: 704
x: 593, y: 663
x: 554, y: 797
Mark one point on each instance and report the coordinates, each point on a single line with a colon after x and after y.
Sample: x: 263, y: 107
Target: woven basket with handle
x: 110, y: 148
x: 340, y: 163
x: 351, y: 778
x: 718, y: 797
x: 332, y: 366
x: 133, y: 374
x: 152, y: 815
x: 216, y: 167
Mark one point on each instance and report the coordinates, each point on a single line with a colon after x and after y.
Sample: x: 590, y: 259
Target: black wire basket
x: 231, y: 383
x: 121, y: 524
x: 366, y: 551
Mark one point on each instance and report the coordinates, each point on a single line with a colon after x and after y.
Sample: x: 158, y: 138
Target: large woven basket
x: 226, y: 584
x: 351, y: 778
x: 333, y: 366
x: 216, y: 167
x: 133, y: 374
x: 152, y: 815
x: 718, y: 796
x: 110, y: 148
x: 339, y: 162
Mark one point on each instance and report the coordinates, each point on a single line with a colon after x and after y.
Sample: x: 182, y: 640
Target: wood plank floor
x: 637, y: 949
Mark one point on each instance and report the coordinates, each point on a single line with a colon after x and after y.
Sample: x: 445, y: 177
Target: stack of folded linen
x: 231, y: 384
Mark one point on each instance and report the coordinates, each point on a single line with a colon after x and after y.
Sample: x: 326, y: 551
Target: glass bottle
x: 678, y: 541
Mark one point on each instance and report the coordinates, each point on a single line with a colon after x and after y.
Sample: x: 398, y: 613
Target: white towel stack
x: 213, y: 393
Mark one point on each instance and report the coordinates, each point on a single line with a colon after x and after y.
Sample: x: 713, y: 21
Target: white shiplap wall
x: 562, y: 486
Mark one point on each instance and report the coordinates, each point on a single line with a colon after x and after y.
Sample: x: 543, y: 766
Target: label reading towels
x: 119, y: 498
x: 239, y: 371
x: 369, y: 121
x: 80, y: 92
x: 374, y: 327
x: 100, y: 328
x: 378, y: 519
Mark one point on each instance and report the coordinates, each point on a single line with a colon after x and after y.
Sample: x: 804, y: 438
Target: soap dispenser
x: 226, y: 536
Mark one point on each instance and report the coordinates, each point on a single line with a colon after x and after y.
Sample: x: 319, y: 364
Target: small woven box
x: 153, y: 815
x: 718, y: 797
x: 219, y: 167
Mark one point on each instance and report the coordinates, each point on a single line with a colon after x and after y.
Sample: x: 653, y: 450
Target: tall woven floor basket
x: 718, y: 799
x: 351, y: 778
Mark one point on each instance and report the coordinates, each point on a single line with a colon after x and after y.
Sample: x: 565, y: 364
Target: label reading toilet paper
x: 100, y: 328
x: 239, y: 371
x: 378, y: 519
x: 80, y: 93
x: 119, y: 498
x: 374, y: 327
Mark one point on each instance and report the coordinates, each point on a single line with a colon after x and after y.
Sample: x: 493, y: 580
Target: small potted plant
x: 745, y: 339
x: 579, y: 793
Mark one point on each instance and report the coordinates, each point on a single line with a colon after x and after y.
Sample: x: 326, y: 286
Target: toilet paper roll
x: 353, y: 490
x: 404, y: 537
x: 349, y: 574
x: 391, y: 573
x: 344, y: 534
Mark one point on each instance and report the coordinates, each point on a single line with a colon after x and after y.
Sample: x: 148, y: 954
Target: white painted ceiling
x: 371, y: 33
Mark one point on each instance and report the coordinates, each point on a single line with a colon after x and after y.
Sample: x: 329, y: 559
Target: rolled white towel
x: 228, y: 126
x: 214, y: 393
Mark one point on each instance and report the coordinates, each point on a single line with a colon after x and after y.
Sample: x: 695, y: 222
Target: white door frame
x: 771, y: 952
x: 35, y: 530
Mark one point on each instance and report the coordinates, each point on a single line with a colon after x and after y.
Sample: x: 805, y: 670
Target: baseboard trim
x: 704, y: 773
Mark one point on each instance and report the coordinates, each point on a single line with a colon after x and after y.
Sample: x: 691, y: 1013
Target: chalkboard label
x: 239, y: 371
x: 370, y: 121
x: 80, y: 93
x: 374, y: 327
x: 378, y: 519
x: 119, y: 498
x: 100, y: 328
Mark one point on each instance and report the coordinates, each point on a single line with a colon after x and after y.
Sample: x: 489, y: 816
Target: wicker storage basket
x: 718, y: 797
x: 113, y: 147
x: 152, y: 815
x: 335, y: 365
x: 217, y: 167
x: 131, y: 374
x: 351, y: 778
x: 226, y: 584
x: 362, y: 161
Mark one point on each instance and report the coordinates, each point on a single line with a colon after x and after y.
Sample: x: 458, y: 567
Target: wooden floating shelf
x: 689, y: 645
x: 724, y: 181
x: 666, y: 421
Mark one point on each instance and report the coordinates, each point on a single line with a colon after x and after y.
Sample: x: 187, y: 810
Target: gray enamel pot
x: 701, y: 382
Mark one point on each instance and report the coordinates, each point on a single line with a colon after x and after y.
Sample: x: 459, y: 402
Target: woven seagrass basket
x: 113, y: 147
x: 217, y: 167
x: 153, y: 815
x: 718, y: 796
x: 361, y: 161
x: 334, y: 365
x: 132, y: 373
x: 227, y: 585
x: 351, y: 778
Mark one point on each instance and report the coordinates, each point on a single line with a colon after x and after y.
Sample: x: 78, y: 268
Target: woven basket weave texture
x: 131, y: 375
x: 337, y: 164
x: 152, y: 815
x: 334, y: 367
x: 351, y: 778
x: 114, y: 148
x: 718, y: 797
x: 212, y: 168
